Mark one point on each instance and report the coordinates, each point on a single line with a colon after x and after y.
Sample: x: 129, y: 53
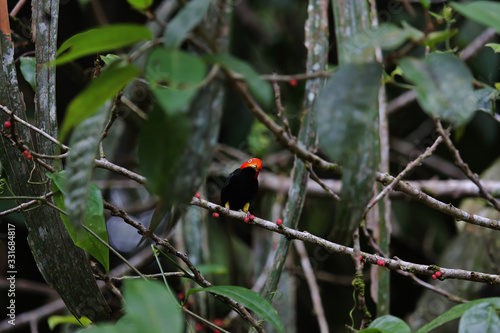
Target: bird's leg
x: 227, y: 208
x: 245, y: 209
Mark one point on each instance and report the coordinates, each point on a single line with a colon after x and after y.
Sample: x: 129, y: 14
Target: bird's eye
x: 250, y: 160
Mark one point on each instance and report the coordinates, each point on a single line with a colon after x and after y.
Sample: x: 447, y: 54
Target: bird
x: 241, y: 186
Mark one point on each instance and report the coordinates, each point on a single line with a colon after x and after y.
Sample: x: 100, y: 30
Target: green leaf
x: 456, y: 312
x: 103, y: 88
x: 486, y: 99
x: 480, y: 318
x: 187, y: 18
x: 444, y: 86
x: 174, y: 77
x: 162, y: 141
x: 483, y: 12
x: 425, y: 3
x: 390, y: 324
x: 111, y: 58
x: 93, y: 219
x: 101, y: 39
x: 84, y: 144
x: 413, y: 33
x: 371, y: 330
x: 28, y: 68
x: 212, y: 269
x: 249, y: 299
x: 151, y: 307
x: 197, y: 132
x: 347, y: 120
x: 141, y: 4
x: 438, y: 37
x: 387, y: 36
x: 494, y: 46
x: 261, y: 89
x: 53, y: 321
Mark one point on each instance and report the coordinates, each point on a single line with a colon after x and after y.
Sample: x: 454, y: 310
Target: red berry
x: 180, y: 295
x: 360, y: 257
x: 215, y: 214
x: 438, y: 274
x: 434, y: 276
x: 293, y: 82
x: 246, y: 219
x: 218, y: 322
x: 197, y: 195
x: 199, y: 327
x: 279, y: 222
x: 26, y: 153
x: 251, y: 217
x: 7, y: 124
x: 381, y: 263
x: 28, y: 156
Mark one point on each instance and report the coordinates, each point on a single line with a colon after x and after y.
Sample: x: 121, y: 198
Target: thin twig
x: 34, y: 128
x: 280, y: 108
x: 25, y: 205
x: 428, y: 152
x: 150, y: 276
x: 464, y: 167
x: 321, y: 183
x: 197, y: 277
x: 436, y: 289
x: 313, y: 286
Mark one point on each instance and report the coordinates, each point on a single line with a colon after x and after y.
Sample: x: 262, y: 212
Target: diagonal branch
x: 464, y: 167
x: 330, y: 247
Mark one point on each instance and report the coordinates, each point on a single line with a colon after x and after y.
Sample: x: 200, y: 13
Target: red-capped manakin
x: 241, y: 186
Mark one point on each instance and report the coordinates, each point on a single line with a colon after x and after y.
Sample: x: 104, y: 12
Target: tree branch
x: 393, y: 264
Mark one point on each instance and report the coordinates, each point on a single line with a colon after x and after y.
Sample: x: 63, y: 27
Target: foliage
x: 155, y: 108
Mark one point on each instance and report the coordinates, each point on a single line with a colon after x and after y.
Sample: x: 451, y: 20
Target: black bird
x: 241, y: 186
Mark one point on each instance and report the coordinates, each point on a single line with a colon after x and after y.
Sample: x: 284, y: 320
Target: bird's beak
x: 255, y: 167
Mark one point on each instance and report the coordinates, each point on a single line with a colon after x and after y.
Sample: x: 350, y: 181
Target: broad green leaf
x: 494, y: 46
x: 84, y: 144
x: 456, y: 312
x: 181, y: 171
x: 444, y: 86
x: 151, y: 307
x: 187, y: 18
x: 174, y: 77
x: 486, y: 99
x: 261, y: 89
x: 101, y: 39
x: 387, y: 36
x: 141, y: 4
x: 371, y: 330
x: 28, y: 68
x: 249, y: 299
x: 162, y: 141
x: 480, y: 318
x: 103, y: 88
x: 93, y: 219
x: 347, y: 120
x: 53, y: 321
x: 390, y: 324
x: 483, y: 12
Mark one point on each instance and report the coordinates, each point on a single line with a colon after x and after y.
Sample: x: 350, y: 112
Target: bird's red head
x: 253, y: 163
